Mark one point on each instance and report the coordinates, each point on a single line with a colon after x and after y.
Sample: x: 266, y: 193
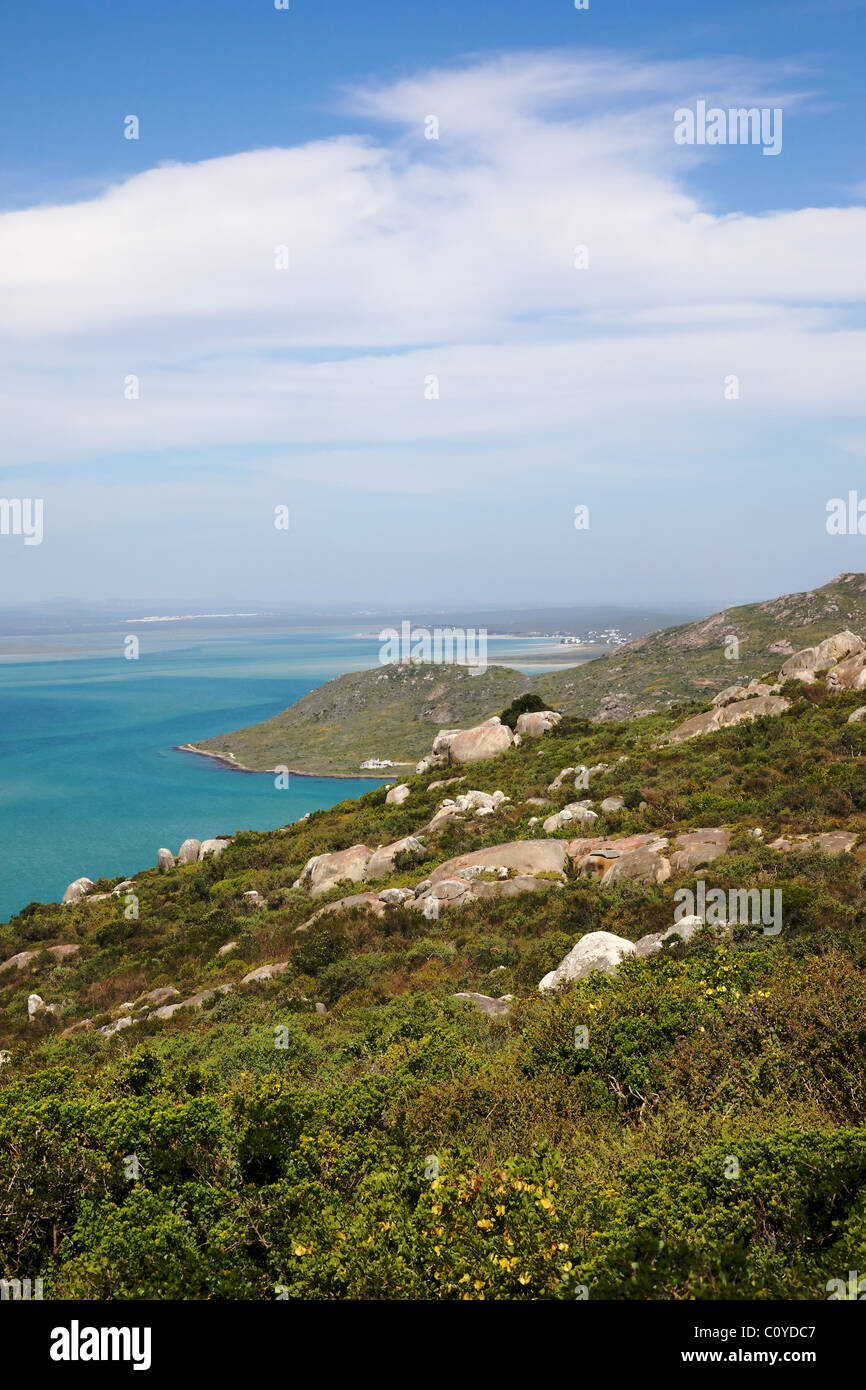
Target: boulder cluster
x: 838, y: 661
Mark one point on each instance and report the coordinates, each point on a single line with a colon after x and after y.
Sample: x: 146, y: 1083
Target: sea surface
x: 90, y: 779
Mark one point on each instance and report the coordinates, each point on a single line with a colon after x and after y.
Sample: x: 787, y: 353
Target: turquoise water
x: 89, y: 779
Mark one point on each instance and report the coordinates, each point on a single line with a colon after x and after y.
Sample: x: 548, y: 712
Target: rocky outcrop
x: 371, y: 902
x: 721, y: 716
x: 487, y: 740
x: 324, y: 870
x: 458, y: 891
x: 696, y: 847
x: 538, y: 722
x: 611, y: 805
x: 641, y: 865
x: 734, y: 693
x: 595, y: 855
x: 397, y: 795
x: 23, y: 958
x: 486, y: 1004
x: 189, y: 852
x: 576, y: 811
x: 381, y: 861
x: 805, y: 665
x: 598, y: 950
x: 528, y: 857
x: 264, y: 972
x: 213, y: 847
x: 162, y: 995
x: 830, y: 842
x: 78, y: 888
x: 164, y: 860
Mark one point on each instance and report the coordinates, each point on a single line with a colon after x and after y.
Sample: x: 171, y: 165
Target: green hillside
x: 395, y: 711
x: 690, y: 1127
x: 390, y: 712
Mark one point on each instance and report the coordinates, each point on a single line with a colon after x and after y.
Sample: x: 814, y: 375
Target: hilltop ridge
x: 390, y: 711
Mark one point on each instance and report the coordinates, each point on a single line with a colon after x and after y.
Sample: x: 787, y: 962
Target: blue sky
x: 411, y: 259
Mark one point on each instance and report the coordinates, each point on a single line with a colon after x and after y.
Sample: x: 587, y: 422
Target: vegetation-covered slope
x: 394, y: 711
x: 690, y: 662
x: 390, y: 712
x: 708, y: 1142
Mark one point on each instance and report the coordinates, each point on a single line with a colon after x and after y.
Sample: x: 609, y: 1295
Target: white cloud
x: 410, y: 257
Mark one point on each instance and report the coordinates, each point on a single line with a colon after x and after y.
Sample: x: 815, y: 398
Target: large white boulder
x: 578, y: 811
x: 324, y: 870
x: 189, y: 852
x: 487, y: 740
x: 77, y: 889
x: 397, y: 795
x: 598, y: 950
x: 522, y: 856
x: 537, y: 722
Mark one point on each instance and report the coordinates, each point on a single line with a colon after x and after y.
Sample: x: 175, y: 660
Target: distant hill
x: 390, y: 712
x: 688, y: 663
x: 393, y: 711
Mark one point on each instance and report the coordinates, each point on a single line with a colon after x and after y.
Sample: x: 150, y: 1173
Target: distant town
x: 608, y: 637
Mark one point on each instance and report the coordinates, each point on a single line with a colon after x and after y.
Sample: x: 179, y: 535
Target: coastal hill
x: 390, y: 712
x: 461, y: 1042
x: 393, y: 711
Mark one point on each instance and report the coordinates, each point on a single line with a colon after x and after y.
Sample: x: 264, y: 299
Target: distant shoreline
x: 233, y: 765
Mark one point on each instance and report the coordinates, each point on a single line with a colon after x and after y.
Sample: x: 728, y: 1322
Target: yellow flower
x: 523, y: 1279
x: 485, y: 1224
x: 500, y: 1211
x: 301, y: 1250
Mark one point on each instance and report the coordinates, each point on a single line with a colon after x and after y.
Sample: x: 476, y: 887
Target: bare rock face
x: 189, y: 852
x: 644, y: 865
x: 723, y: 715
x: 263, y: 972
x: 612, y: 804
x: 77, y: 889
x: 685, y: 929
x: 23, y: 958
x: 537, y: 722
x: 164, y: 860
x: 522, y: 856
x: 485, y: 891
x: 560, y: 778
x: 447, y: 892
x: 595, y: 855
x: 397, y: 795
x: 488, y: 740
x: 160, y: 996
x: 371, y: 902
x: 697, y: 847
x: 395, y: 897
x: 213, y: 847
x: 195, y: 1001
x: 381, y: 861
x: 578, y: 811
x: 486, y: 1004
x: 324, y: 870
x: 733, y: 693
x: 830, y: 842
x: 598, y: 950
x: 848, y: 675
x: 858, y: 716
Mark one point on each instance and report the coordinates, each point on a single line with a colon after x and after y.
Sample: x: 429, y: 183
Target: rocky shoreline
x: 226, y: 760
